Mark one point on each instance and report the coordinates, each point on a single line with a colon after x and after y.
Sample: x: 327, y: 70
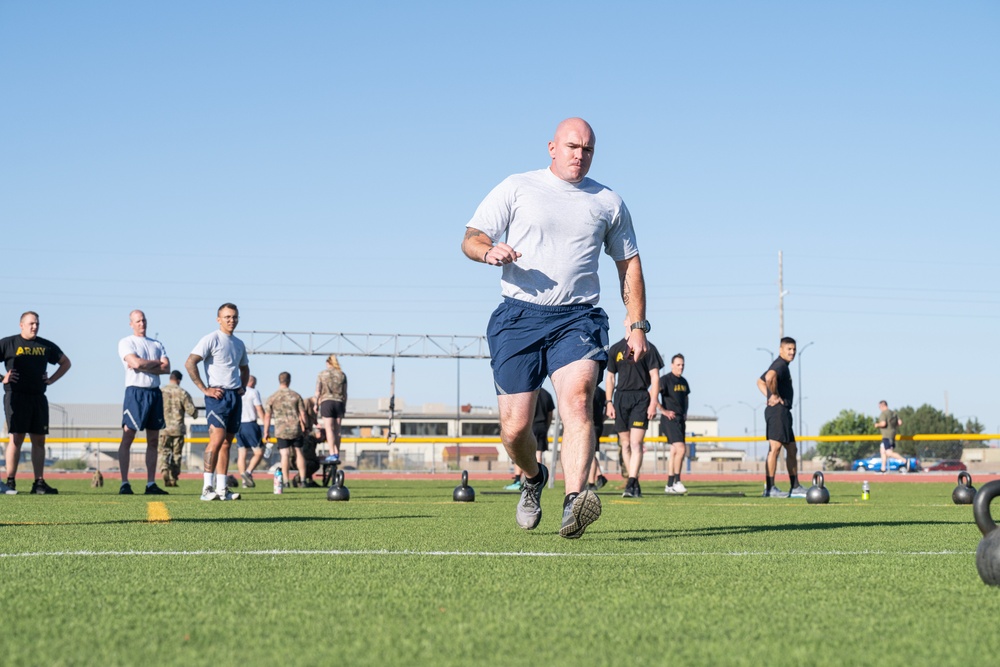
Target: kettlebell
x: 817, y: 493
x: 988, y: 551
x: 464, y: 493
x: 964, y: 493
x: 338, y: 491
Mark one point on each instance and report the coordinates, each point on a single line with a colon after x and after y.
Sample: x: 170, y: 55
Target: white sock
x: 220, y: 483
x: 209, y: 477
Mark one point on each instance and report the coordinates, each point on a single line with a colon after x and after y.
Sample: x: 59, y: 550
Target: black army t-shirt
x: 632, y: 376
x: 674, y: 393
x: 30, y: 358
x: 784, y: 380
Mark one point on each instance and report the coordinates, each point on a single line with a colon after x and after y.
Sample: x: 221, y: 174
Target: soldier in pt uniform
x: 288, y: 412
x: 176, y: 404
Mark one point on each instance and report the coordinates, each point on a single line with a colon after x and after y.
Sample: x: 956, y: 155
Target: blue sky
x: 316, y: 162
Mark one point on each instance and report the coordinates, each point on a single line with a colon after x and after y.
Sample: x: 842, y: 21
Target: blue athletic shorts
x: 249, y: 435
x: 528, y: 342
x: 224, y: 412
x: 143, y: 409
x: 889, y: 443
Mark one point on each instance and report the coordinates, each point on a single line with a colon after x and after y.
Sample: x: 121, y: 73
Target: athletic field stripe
x: 156, y: 512
x: 495, y: 554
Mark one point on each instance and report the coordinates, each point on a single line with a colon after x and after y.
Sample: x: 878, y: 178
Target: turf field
x: 401, y: 575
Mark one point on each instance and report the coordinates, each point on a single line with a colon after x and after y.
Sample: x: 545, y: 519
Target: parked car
x: 950, y: 464
x: 874, y: 464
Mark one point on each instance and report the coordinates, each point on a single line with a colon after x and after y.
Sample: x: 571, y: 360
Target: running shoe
x: 41, y: 488
x: 12, y: 482
x: 513, y: 486
x: 669, y: 489
x: 601, y: 481
x: 248, y: 482
x: 125, y: 490
x: 629, y: 491
x: 155, y: 491
x: 529, y: 507
x: 7, y: 490
x: 797, y: 492
x: 775, y: 492
x: 638, y: 489
x: 679, y: 488
x: 208, y: 493
x: 332, y: 458
x: 581, y: 511
x: 228, y: 495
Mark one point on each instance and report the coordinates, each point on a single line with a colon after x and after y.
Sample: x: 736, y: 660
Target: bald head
x: 137, y: 320
x: 572, y: 150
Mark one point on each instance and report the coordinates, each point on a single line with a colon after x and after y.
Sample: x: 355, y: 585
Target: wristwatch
x: 641, y: 324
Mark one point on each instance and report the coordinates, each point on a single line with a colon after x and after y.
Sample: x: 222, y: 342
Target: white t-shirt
x: 146, y: 349
x: 559, y: 229
x: 222, y: 357
x: 251, y: 398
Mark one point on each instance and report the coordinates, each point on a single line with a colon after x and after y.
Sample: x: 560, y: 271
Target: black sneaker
x: 41, y: 488
x: 581, y: 511
x: 124, y: 490
x: 601, y: 481
x: 12, y: 483
x: 629, y: 491
x: 155, y: 491
x: 637, y: 489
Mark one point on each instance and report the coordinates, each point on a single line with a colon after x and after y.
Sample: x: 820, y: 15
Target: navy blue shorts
x: 224, y: 412
x: 249, y: 435
x: 143, y: 409
x: 528, y: 342
x: 889, y: 443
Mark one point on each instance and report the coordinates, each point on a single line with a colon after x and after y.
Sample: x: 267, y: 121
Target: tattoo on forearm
x: 626, y: 291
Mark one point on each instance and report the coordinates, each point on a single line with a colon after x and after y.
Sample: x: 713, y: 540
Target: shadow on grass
x: 217, y: 519
x: 652, y: 534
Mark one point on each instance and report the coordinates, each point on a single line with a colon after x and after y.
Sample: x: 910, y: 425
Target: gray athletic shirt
x: 559, y: 228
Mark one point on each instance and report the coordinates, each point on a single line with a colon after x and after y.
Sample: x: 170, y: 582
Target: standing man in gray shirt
x: 546, y: 230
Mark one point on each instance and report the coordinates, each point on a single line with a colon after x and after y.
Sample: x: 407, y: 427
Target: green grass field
x: 401, y: 575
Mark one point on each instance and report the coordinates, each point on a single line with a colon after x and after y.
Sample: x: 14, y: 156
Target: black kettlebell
x: 817, y: 493
x: 464, y: 493
x: 988, y: 551
x: 964, y: 493
x: 338, y: 491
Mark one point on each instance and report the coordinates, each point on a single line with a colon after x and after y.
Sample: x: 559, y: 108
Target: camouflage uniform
x: 176, y: 403
x: 284, y: 407
x: 332, y: 385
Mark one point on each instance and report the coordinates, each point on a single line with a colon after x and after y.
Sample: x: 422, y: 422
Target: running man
x: 546, y: 229
x: 227, y: 369
x: 673, y: 408
x: 632, y: 403
x: 249, y: 438
x: 888, y: 423
x: 145, y: 360
x: 776, y: 385
x: 27, y: 357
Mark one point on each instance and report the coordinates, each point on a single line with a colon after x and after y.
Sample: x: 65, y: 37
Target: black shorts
x: 332, y: 409
x: 631, y: 410
x: 285, y: 444
x: 26, y: 413
x: 779, y: 424
x: 673, y: 429
x: 541, y: 441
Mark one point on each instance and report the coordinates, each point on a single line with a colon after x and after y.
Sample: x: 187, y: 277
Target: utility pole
x: 781, y: 298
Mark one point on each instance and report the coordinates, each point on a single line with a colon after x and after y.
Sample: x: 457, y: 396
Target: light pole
x: 798, y: 356
x: 716, y: 412
x: 754, y: 411
x: 764, y: 349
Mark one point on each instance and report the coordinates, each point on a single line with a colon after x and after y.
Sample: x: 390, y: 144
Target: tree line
x: 926, y: 419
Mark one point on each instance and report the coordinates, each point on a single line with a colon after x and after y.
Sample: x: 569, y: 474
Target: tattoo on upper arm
x: 472, y: 232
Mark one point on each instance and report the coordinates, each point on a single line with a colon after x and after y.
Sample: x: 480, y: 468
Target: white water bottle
x: 279, y: 485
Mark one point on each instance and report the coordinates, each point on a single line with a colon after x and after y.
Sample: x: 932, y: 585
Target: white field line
x: 493, y: 554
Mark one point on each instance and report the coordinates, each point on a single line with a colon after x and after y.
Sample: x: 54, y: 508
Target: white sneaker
x: 6, y: 490
x: 679, y: 488
x: 797, y: 492
x: 229, y: 495
x: 208, y: 493
x: 669, y: 489
x: 775, y: 492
